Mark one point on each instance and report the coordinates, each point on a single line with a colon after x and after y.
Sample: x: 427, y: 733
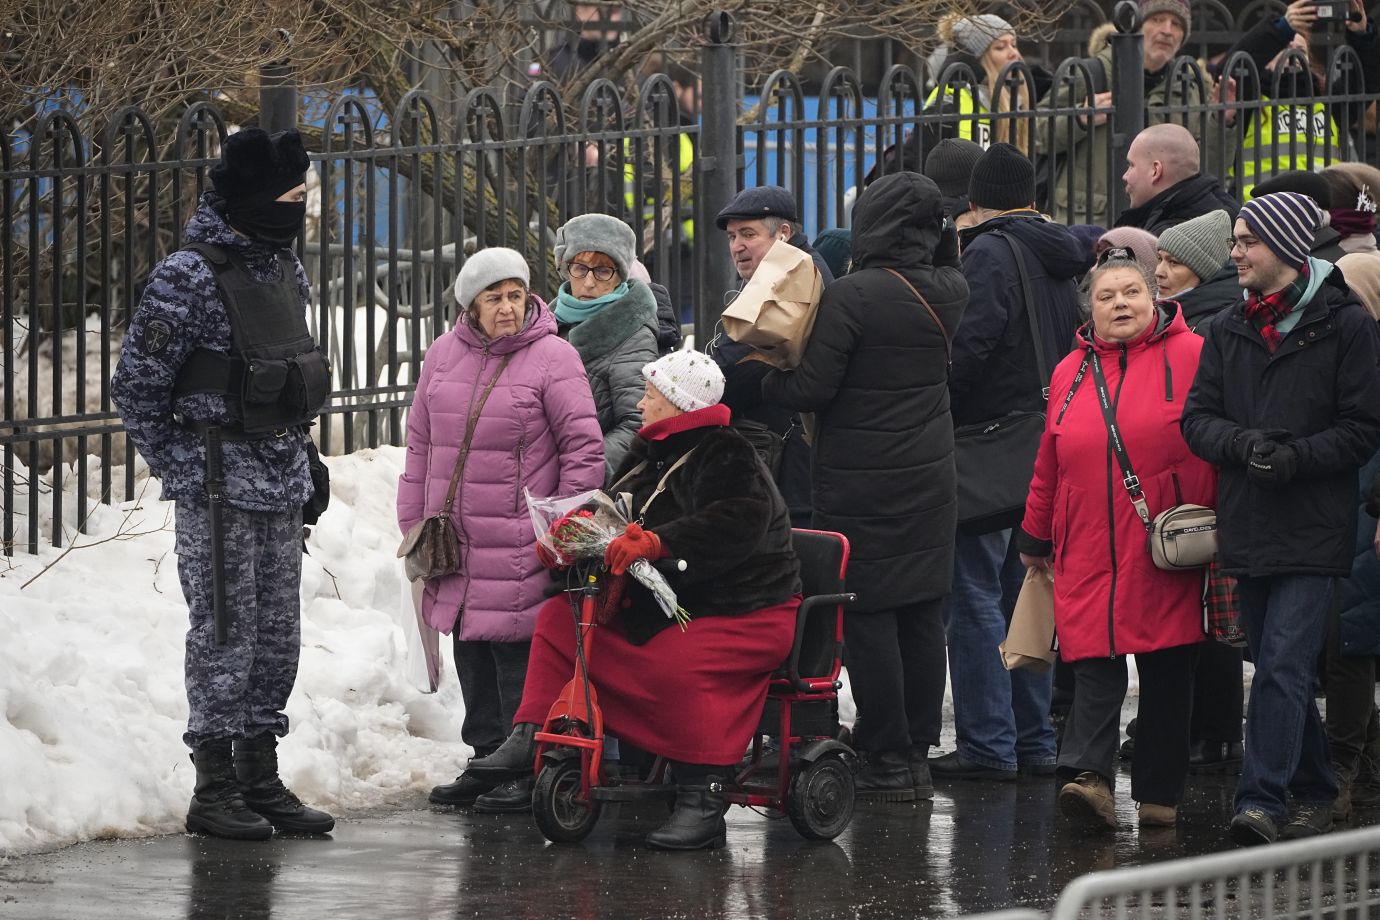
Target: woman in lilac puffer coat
x: 537, y: 430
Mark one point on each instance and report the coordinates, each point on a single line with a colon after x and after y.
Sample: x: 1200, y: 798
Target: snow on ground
x: 91, y: 697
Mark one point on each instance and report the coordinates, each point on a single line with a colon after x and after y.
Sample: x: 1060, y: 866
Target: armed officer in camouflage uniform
x: 217, y: 384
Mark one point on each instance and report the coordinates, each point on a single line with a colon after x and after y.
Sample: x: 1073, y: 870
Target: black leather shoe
x: 954, y: 765
x: 920, y: 779
x: 1215, y: 757
x: 256, y: 768
x: 466, y: 788
x: 885, y: 777
x: 697, y: 823
x: 1308, y: 820
x: 514, y: 756
x: 511, y: 797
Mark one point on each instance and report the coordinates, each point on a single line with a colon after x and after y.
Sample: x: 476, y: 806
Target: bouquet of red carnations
x: 581, y: 527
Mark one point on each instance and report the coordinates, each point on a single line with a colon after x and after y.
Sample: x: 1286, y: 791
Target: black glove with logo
x: 1243, y: 446
x: 1273, y: 464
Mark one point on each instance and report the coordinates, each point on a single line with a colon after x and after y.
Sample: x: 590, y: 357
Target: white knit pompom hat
x: 688, y: 379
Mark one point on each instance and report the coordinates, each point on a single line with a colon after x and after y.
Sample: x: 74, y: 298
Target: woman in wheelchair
x: 695, y: 695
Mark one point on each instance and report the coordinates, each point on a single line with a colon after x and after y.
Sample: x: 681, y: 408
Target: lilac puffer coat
x: 538, y: 430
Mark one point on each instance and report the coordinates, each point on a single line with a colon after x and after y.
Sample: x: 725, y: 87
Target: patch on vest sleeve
x: 157, y: 335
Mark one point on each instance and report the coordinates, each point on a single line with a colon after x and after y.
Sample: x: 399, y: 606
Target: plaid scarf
x: 1265, y: 312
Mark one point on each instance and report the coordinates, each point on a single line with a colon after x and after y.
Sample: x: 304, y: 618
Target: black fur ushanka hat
x: 255, y: 164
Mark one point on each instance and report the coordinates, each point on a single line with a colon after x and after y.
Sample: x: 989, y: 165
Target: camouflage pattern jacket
x: 180, y: 311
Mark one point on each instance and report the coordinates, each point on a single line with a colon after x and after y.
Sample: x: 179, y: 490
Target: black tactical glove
x: 1273, y: 464
x: 1243, y: 444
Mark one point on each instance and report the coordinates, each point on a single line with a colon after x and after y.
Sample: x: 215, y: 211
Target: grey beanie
x: 1202, y: 243
x: 597, y: 233
x: 486, y: 268
x: 974, y: 34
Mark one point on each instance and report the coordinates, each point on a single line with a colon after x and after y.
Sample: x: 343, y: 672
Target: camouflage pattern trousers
x: 239, y: 690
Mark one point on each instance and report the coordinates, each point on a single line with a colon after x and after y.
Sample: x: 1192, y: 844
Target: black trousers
x: 896, y: 665
x: 1092, y: 733
x: 1219, y: 695
x: 491, y: 678
x: 1350, y: 681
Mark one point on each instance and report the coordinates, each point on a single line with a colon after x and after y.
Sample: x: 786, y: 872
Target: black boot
x: 698, y: 820
x: 513, y: 757
x: 256, y: 766
x: 217, y: 807
x: 885, y: 777
x: 466, y: 788
x: 511, y: 797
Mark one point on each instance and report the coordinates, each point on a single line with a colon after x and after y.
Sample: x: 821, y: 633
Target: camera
x: 1330, y: 11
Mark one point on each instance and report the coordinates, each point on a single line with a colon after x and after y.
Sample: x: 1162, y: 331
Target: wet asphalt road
x: 977, y: 847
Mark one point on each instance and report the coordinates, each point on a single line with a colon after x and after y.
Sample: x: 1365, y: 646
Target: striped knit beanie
x: 1287, y: 222
x: 689, y: 380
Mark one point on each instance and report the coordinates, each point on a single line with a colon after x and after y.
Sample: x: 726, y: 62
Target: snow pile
x: 92, y: 707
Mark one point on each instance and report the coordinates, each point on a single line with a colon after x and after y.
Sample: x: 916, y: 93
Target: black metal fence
x: 398, y: 198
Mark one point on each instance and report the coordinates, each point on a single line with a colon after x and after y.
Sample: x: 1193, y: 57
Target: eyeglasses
x: 1116, y: 252
x: 601, y: 272
x: 1245, y: 243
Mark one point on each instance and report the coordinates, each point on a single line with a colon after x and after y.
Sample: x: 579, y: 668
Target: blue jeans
x: 1001, y: 717
x: 1286, y: 619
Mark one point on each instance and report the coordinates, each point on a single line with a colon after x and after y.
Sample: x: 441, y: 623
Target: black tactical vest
x: 275, y: 375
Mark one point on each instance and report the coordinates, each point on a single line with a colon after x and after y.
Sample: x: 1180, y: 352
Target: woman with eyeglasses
x: 1132, y: 369
x: 610, y: 318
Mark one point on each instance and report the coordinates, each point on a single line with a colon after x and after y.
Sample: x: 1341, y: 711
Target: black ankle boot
x: 466, y: 788
x: 513, y: 757
x: 217, y: 807
x: 256, y: 767
x: 885, y: 777
x: 511, y: 797
x: 698, y: 820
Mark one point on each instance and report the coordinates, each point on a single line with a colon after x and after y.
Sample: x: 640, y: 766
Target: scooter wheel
x: 560, y: 817
x: 821, y: 798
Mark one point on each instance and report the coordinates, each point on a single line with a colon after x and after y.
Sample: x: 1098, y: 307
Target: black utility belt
x: 237, y: 432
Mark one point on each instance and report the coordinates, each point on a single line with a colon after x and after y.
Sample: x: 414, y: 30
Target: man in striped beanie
x: 1286, y: 403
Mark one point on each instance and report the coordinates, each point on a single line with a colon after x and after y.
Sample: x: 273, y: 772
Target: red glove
x: 631, y: 545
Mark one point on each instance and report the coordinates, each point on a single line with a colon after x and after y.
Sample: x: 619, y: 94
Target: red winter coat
x: 1109, y: 599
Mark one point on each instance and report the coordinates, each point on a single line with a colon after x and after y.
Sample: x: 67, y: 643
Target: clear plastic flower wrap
x: 581, y: 527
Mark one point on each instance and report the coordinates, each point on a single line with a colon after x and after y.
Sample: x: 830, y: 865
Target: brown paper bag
x: 1030, y: 641
x: 775, y: 311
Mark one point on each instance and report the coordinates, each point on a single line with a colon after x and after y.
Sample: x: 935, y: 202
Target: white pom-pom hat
x: 688, y: 379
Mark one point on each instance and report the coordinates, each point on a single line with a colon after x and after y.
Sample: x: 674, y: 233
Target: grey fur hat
x: 597, y: 233
x: 1202, y: 243
x: 486, y: 268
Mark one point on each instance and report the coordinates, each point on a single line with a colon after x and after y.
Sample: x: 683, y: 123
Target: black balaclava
x: 254, y: 169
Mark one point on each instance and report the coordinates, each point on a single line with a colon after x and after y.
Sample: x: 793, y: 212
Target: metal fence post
x: 718, y: 166
x: 278, y: 90
x: 1128, y: 94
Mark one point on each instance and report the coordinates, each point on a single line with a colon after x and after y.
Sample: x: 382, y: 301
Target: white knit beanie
x: 486, y: 268
x: 975, y: 34
x: 688, y: 379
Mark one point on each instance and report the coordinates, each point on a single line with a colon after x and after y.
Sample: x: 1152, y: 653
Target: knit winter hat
x: 1202, y: 243
x: 597, y: 233
x: 1003, y: 179
x: 950, y: 165
x: 255, y: 164
x: 1287, y: 222
x: 1141, y: 243
x: 974, y: 34
x: 486, y: 268
x: 1178, y: 8
x: 1303, y: 181
x: 690, y: 380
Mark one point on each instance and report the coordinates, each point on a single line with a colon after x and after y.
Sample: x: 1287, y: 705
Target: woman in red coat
x: 1109, y: 599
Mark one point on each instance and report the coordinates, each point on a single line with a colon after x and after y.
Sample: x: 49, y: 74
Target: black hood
x: 1059, y: 251
x: 896, y: 222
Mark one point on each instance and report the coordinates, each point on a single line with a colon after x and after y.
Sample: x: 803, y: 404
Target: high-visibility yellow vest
x: 685, y: 161
x: 1282, y: 134
x: 977, y: 130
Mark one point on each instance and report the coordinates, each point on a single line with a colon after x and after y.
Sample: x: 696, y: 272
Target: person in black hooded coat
x: 875, y: 372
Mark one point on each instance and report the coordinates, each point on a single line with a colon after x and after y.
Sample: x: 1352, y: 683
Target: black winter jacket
x: 1323, y: 387
x: 1202, y: 303
x: 722, y: 514
x: 994, y: 369
x: 1193, y: 197
x: 874, y: 372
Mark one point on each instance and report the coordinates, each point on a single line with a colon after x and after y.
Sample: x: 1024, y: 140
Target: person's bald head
x: 1160, y: 156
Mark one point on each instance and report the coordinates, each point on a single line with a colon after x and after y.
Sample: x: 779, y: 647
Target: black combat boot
x: 697, y: 823
x: 511, y: 797
x: 514, y: 756
x: 256, y: 766
x: 886, y: 777
x: 217, y: 807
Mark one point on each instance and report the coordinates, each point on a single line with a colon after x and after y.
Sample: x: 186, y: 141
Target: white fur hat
x: 486, y: 268
x: 688, y: 379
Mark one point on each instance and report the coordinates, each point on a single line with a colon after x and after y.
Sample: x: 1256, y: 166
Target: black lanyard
x: 1129, y: 479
